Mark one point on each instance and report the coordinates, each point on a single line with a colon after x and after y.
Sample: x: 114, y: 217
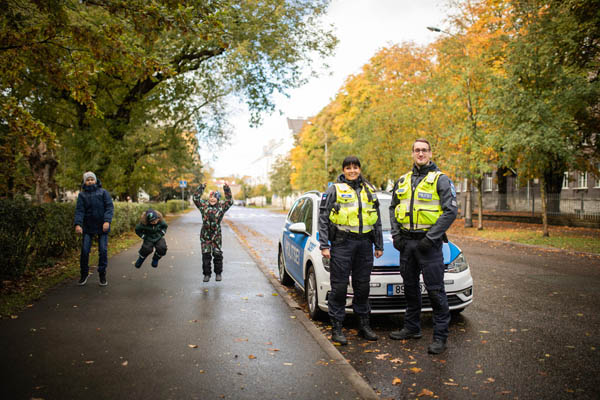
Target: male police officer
x: 422, y: 209
x: 349, y: 219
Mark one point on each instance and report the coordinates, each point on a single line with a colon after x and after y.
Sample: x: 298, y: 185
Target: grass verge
x: 561, y: 237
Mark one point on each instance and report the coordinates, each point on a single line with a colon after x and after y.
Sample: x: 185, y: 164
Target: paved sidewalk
x: 163, y: 333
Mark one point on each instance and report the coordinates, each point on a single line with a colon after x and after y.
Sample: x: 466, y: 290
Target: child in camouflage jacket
x: 212, y: 211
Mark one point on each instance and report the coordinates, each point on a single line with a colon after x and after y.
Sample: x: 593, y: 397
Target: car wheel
x: 284, y: 277
x: 312, y: 295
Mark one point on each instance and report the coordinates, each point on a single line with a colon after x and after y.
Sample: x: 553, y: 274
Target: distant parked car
x: 300, y: 262
x: 240, y: 203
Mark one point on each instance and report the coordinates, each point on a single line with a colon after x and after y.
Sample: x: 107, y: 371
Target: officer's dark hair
x: 422, y: 141
x: 350, y: 160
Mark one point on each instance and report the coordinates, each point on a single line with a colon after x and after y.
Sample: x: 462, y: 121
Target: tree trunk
x: 468, y: 208
x: 479, y: 182
x: 553, y: 185
x: 543, y: 195
x: 501, y: 175
x: 43, y: 163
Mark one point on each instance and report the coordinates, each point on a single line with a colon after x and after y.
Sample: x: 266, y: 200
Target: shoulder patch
x: 452, y: 188
x: 324, y: 197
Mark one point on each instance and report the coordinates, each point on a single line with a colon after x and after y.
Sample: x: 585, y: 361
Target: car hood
x: 391, y: 256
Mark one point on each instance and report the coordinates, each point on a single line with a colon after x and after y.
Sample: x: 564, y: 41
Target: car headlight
x: 459, y: 264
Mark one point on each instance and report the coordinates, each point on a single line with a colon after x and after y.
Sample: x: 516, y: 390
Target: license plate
x: 397, y: 289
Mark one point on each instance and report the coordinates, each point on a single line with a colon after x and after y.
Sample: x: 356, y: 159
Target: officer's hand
x: 326, y: 253
x: 399, y: 243
x: 78, y: 229
x: 378, y: 253
x: 105, y: 227
x: 225, y: 187
x: 424, y: 245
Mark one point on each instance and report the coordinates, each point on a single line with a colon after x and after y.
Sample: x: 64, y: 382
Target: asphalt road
x: 164, y: 334
x: 532, y: 333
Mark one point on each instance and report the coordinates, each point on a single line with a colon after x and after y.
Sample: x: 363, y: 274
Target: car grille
x: 399, y: 302
x: 384, y: 270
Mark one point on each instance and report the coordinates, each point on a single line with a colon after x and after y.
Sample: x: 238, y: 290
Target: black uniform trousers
x: 412, y: 263
x: 217, y: 258
x: 159, y: 247
x: 350, y: 257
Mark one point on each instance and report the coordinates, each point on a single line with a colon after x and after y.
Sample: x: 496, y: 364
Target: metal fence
x: 529, y: 202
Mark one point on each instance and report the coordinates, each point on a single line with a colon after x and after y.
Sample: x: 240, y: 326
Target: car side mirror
x: 298, y: 227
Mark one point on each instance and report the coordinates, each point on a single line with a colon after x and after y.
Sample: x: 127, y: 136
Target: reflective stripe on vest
x: 346, y: 219
x: 427, y: 207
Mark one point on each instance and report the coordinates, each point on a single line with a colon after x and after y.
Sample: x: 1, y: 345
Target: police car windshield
x: 384, y: 211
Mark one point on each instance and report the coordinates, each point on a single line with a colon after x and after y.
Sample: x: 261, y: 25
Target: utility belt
x: 352, y: 236
x: 418, y: 235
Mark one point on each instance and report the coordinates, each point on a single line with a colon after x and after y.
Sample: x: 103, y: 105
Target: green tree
x: 280, y: 177
x: 99, y: 76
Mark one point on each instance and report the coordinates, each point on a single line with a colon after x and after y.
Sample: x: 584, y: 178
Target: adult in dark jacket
x: 349, y: 219
x: 422, y: 209
x: 93, y: 216
x: 212, y: 211
x: 152, y: 228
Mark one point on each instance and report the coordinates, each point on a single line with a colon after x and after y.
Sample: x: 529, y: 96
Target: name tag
x: 346, y: 196
x: 401, y: 190
x: 425, y: 196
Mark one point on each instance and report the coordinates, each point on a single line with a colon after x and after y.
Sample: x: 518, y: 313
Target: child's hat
x: 89, y: 174
x: 151, y: 215
x: 216, y: 194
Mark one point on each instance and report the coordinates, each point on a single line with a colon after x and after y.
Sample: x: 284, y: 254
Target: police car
x: 300, y: 262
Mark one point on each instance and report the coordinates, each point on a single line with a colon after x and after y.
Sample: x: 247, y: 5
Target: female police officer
x: 349, y: 220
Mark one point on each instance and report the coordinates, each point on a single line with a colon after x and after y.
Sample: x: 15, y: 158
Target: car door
x: 293, y: 243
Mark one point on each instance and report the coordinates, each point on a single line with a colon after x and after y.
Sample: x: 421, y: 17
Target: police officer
x: 422, y: 209
x: 349, y: 219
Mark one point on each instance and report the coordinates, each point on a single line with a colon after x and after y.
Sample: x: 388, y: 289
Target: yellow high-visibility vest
x: 346, y: 218
x: 426, y: 205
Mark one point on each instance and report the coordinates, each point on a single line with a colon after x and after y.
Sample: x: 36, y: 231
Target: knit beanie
x: 151, y: 215
x: 89, y: 174
x: 215, y: 194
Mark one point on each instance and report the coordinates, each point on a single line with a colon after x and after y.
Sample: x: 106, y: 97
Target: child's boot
x: 139, y: 261
x: 155, y: 259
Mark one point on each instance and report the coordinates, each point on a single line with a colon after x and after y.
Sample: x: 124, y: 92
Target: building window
x: 582, y: 181
x: 565, y: 184
x: 457, y: 186
x: 597, y: 176
x: 488, y: 182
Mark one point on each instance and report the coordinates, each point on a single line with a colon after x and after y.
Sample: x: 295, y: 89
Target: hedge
x: 34, y: 236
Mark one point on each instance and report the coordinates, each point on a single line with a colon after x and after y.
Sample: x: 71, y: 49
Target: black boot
x: 155, y: 259
x: 364, y: 329
x: 139, y: 262
x: 336, y: 332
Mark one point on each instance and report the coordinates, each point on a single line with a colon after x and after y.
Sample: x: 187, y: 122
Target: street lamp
x: 468, y: 200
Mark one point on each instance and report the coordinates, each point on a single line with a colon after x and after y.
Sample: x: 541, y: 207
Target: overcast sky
x: 362, y: 27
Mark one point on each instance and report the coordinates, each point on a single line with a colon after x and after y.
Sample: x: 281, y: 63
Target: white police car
x: 300, y: 261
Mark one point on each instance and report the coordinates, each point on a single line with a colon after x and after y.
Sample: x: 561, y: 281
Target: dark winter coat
x: 94, y: 208
x: 150, y: 232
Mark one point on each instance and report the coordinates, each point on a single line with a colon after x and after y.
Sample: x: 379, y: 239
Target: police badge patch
x: 324, y: 197
x: 452, y: 189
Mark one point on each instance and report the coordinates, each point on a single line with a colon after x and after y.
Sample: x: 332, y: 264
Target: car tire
x: 284, y: 277
x: 312, y: 296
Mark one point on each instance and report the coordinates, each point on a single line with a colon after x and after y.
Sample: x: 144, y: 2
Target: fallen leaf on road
x: 397, y: 381
x: 415, y: 370
x: 260, y: 295
x: 382, y: 356
x: 275, y: 294
x: 425, y: 392
x: 491, y: 380
x: 89, y: 362
x: 479, y: 372
x: 192, y: 346
x: 369, y: 351
x: 292, y: 316
x: 269, y: 343
x: 273, y: 349
x: 193, y: 320
x: 14, y: 316
x: 244, y: 298
x: 450, y: 384
x: 251, y: 356
x: 124, y: 363
x: 484, y: 331
x: 288, y: 364
x: 396, y: 360
x: 241, y: 339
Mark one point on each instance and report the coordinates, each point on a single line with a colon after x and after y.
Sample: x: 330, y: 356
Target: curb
x: 531, y: 246
x: 356, y: 380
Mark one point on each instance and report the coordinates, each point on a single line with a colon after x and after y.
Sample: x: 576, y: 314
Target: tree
x: 548, y: 91
x: 97, y: 73
x: 280, y: 177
